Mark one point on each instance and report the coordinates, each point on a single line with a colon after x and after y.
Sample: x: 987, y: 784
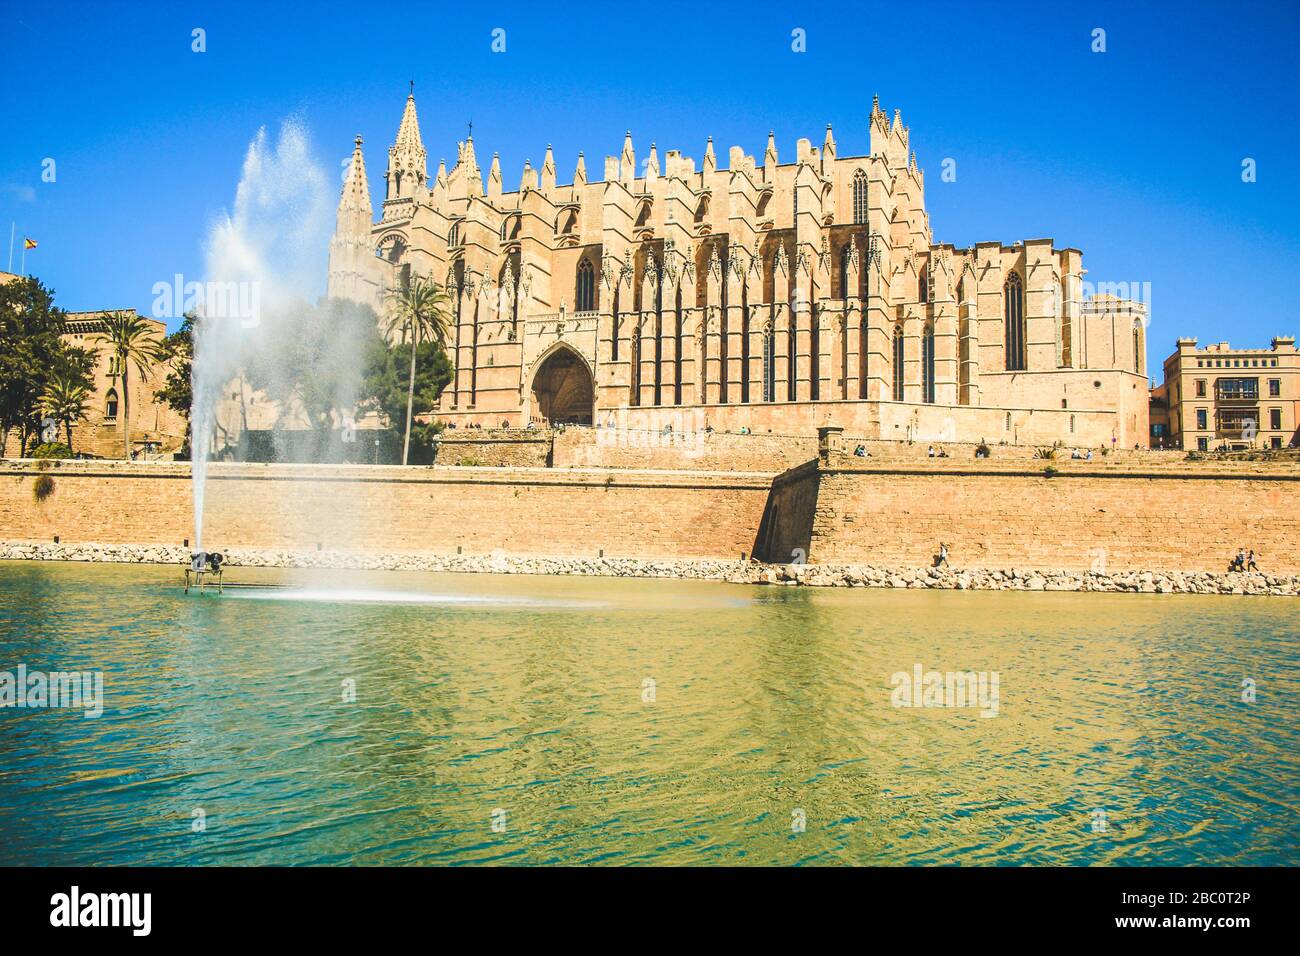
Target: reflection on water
x: 624, y: 721
x: 348, y: 595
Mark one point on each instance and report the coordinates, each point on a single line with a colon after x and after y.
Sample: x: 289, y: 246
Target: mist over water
x: 266, y: 263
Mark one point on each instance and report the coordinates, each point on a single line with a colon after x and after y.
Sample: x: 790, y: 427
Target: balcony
x: 562, y: 323
x: 1236, y: 391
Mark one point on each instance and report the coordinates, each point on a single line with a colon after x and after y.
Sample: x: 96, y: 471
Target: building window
x: 863, y: 337
x: 1008, y: 421
x: 1276, y: 441
x: 586, y: 297
x: 110, y: 406
x: 1202, y: 444
x: 1274, y: 388
x: 1275, y: 419
x: 1201, y: 419
x: 1139, y: 359
x: 846, y: 259
x: 1236, y: 389
x: 769, y: 366
x: 1064, y: 327
x: 1072, y: 425
x: 898, y: 363
x: 1013, y: 296
x: 923, y: 286
x: 1200, y: 388
x: 927, y: 365
x: 453, y: 237
x: 859, y: 198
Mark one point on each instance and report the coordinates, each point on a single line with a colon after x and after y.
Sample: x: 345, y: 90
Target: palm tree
x: 418, y: 309
x: 65, y: 399
x: 132, y: 341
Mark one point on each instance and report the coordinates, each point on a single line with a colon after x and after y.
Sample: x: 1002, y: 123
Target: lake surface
x: 529, y: 720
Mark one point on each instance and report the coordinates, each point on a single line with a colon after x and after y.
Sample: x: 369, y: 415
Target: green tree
x: 307, y: 362
x: 178, y: 391
x: 30, y: 351
x: 420, y: 310
x: 66, y: 398
x: 387, y: 388
x: 132, y: 342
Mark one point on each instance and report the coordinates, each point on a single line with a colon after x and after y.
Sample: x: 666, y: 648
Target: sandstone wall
x: 1135, y: 514
x: 480, y: 510
x: 785, y: 536
x: 512, y: 448
x: 1108, y: 518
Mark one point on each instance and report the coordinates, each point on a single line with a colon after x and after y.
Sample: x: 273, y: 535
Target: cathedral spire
x: 351, y: 256
x: 548, y: 170
x: 580, y: 172
x: 627, y: 161
x: 356, y: 192
x: 407, y: 169
x: 710, y: 163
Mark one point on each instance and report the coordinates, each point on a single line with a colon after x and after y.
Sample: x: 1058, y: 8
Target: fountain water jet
x: 265, y: 261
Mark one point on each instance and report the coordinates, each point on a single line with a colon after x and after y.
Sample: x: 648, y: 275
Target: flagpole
x: 12, y: 226
x: 24, y: 257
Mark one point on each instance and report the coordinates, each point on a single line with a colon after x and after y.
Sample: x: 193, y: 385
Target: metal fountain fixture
x: 204, y: 569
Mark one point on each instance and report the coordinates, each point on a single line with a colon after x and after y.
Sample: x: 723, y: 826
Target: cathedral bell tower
x: 407, y: 169
x: 352, y: 271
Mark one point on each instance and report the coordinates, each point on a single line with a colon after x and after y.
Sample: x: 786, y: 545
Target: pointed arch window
x: 769, y: 365
x: 923, y: 286
x: 927, y: 365
x: 863, y: 342
x: 1139, y: 363
x: 635, y: 397
x: 859, y: 198
x: 1013, y: 320
x: 1058, y: 323
x: 453, y: 236
x: 846, y: 260
x: 814, y: 358
x: 585, y: 298
x: 110, y: 406
x: 898, y: 363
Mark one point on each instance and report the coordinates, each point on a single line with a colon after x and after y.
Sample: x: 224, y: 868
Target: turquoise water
x: 509, y: 720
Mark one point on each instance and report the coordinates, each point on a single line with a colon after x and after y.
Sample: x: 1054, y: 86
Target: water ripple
x: 409, y: 718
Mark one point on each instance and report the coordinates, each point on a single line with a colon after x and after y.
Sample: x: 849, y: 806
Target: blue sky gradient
x: 1133, y: 155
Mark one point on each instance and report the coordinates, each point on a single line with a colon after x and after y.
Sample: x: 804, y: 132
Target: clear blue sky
x: 1133, y: 155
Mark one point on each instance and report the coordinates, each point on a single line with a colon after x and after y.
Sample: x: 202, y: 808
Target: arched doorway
x: 562, y: 389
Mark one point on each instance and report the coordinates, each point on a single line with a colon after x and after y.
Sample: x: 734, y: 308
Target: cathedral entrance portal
x: 563, y: 392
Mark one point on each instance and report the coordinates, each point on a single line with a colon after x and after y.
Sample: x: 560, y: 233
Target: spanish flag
x: 29, y: 243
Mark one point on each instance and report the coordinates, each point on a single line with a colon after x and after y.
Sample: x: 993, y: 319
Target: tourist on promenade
x: 931, y: 452
x: 1250, y: 562
x: 861, y: 451
x: 1239, y: 562
x: 942, y: 557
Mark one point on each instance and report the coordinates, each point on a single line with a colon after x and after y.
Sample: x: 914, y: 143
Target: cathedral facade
x: 774, y: 296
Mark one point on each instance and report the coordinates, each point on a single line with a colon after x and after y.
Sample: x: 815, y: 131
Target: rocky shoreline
x: 733, y: 572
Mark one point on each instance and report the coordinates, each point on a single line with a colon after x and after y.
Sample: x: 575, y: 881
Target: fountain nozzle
x: 201, y: 561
